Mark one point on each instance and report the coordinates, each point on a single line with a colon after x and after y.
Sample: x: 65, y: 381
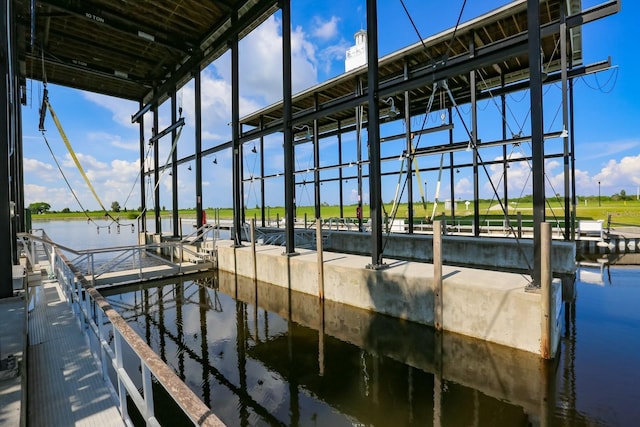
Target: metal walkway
x: 65, y: 386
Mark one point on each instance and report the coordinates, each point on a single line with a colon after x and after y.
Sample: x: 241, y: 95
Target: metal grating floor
x: 65, y: 385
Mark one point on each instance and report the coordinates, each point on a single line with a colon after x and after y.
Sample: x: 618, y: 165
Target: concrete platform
x: 488, y: 305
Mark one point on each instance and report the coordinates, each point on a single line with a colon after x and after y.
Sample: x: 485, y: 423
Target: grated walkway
x: 65, y: 385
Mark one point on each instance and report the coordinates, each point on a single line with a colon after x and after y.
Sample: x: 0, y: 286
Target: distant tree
x: 115, y: 206
x: 623, y: 194
x: 39, y: 207
x: 65, y: 210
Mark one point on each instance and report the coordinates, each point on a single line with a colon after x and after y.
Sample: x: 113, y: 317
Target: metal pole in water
x: 545, y: 291
x: 253, y: 248
x: 437, y: 275
x: 320, y: 258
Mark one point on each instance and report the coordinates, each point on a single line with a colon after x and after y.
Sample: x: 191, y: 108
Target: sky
x: 607, y: 107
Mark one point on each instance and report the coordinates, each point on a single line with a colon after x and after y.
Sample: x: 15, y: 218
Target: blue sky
x: 606, y: 110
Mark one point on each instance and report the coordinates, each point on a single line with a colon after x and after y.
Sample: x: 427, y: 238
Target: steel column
x: 156, y: 175
x: 505, y: 162
x: 198, y: 145
x: 373, y: 139
x: 6, y: 269
x: 262, y: 207
x: 474, y: 144
x: 316, y: 160
x: 565, y: 122
x: 238, y: 213
x: 143, y: 190
x: 174, y: 169
x: 289, y: 178
x: 572, y: 139
x: 359, y: 114
x: 537, y: 132
x: 451, y: 171
x: 409, y: 144
x: 340, y: 189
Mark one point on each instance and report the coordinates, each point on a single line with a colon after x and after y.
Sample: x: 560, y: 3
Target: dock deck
x: 65, y: 386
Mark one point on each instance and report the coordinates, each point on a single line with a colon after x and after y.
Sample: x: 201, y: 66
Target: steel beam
x: 6, y: 74
x: 156, y: 175
x: 198, y: 147
x: 289, y: 189
x: 174, y: 167
x: 373, y: 130
x: 537, y: 132
x: 198, y: 57
x: 101, y: 16
x: 171, y: 128
x: 236, y: 166
x: 143, y: 191
x: 316, y: 161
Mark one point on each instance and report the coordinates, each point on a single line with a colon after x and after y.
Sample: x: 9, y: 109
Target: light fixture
x: 189, y: 167
x: 564, y: 133
x: 215, y: 160
x: 468, y: 147
x: 393, y: 111
x: 254, y: 150
x: 307, y: 134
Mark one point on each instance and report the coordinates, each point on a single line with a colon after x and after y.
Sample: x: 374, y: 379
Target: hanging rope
x: 73, y: 156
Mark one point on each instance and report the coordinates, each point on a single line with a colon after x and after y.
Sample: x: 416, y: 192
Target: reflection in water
x: 260, y: 355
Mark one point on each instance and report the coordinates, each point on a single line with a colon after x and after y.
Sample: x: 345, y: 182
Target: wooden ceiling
x: 124, y: 48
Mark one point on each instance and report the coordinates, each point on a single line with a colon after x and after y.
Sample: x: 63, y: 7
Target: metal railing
x: 109, y: 336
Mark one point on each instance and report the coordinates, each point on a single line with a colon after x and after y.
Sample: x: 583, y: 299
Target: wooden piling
x: 437, y: 274
x: 320, y: 258
x: 253, y: 248
x: 545, y: 291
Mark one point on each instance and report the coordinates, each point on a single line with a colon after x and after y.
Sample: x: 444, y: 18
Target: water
x: 259, y: 355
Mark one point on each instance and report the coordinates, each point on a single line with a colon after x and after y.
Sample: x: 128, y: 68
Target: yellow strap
x: 73, y: 155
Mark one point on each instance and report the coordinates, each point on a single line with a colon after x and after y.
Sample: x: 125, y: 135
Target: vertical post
x: 253, y: 248
x: 289, y: 178
x: 6, y: 266
x: 316, y: 160
x: 505, y: 160
x: 147, y: 389
x: 174, y: 167
x: 565, y: 121
x: 262, y: 203
x: 156, y: 172
x: 143, y: 191
x: 474, y: 142
x: 235, y: 138
x: 320, y: 258
x: 409, y: 145
x: 537, y: 129
x: 373, y: 130
x: 451, y: 160
x: 545, y: 279
x: 340, y: 189
x: 573, y: 163
x: 437, y: 275
x: 519, y: 225
x: 198, y: 146
x: 359, y: 114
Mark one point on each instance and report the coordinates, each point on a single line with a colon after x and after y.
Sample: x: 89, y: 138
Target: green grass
x: 622, y: 212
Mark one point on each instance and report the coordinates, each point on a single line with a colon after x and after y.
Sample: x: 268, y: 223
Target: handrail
x: 93, y: 311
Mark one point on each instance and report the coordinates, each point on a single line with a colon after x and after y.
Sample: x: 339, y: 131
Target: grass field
x: 622, y: 212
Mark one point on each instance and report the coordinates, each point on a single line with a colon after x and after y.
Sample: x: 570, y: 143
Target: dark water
x: 259, y: 355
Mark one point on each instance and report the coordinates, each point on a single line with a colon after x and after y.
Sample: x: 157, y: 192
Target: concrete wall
x: 483, y: 304
x: 506, y: 254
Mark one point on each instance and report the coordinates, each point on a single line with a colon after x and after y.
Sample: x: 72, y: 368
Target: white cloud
x: 261, y: 63
x: 325, y: 29
x: 616, y: 175
x: 121, y: 109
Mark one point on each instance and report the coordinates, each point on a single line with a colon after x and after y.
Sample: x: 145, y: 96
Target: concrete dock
x: 483, y: 304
